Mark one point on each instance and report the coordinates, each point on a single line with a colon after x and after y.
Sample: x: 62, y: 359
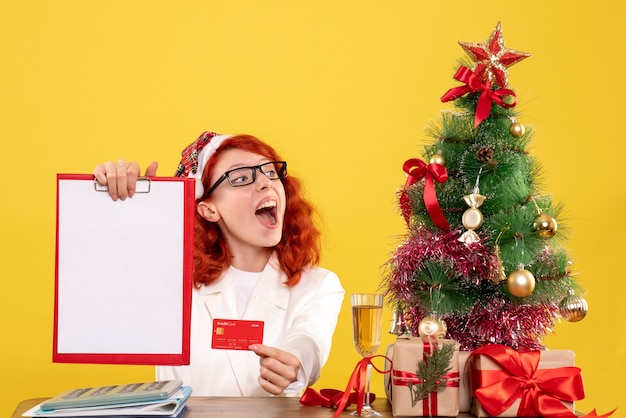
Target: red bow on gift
x: 487, y: 97
x: 417, y: 169
x: 541, y: 390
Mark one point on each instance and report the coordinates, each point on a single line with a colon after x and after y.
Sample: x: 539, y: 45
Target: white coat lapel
x: 221, y: 298
x: 221, y: 303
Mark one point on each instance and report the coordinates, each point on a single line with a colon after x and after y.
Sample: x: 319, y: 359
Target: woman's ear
x: 208, y: 211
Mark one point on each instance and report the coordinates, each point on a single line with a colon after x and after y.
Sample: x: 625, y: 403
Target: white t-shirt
x: 244, y: 282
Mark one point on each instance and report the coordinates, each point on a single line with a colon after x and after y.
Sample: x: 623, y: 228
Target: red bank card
x: 236, y: 334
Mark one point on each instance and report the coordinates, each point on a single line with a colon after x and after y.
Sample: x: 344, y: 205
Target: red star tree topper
x: 492, y: 58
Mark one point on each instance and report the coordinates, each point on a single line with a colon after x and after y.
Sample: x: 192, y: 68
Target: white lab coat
x: 300, y: 320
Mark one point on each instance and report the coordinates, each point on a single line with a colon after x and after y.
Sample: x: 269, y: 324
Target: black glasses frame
x: 279, y: 166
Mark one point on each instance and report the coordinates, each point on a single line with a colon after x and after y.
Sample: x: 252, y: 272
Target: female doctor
x: 256, y: 255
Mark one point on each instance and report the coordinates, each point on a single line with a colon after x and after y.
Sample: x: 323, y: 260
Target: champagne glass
x: 367, y: 321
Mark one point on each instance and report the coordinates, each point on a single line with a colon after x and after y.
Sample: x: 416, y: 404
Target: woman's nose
x: 262, y: 181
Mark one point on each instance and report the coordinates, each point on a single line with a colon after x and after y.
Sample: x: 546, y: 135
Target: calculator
x: 114, y: 394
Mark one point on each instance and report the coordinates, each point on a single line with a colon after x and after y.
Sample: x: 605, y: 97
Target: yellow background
x: 344, y: 90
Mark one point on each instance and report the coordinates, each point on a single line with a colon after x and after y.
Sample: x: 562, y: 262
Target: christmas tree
x: 483, y: 260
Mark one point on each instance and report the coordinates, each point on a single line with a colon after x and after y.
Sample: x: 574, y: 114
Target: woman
x: 256, y: 252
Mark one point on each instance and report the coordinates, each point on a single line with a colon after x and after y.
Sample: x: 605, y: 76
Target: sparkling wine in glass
x: 367, y: 322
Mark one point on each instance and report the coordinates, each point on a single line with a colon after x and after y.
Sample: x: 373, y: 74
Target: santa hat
x: 196, y: 155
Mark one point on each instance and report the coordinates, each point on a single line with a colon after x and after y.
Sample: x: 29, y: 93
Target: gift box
x: 505, y: 383
x: 465, y: 391
x: 403, y: 384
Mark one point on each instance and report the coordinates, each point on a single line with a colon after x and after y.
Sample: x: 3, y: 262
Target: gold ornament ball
x: 517, y: 129
x: 573, y: 308
x: 432, y: 325
x: 520, y: 283
x: 545, y: 225
x: 437, y: 159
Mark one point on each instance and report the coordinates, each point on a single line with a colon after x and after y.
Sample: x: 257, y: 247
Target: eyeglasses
x: 243, y: 176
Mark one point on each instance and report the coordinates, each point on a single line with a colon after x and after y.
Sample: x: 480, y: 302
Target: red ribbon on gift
x: 541, y: 390
x: 357, y: 382
x: 429, y: 405
x: 474, y: 84
x: 416, y: 170
x: 401, y: 378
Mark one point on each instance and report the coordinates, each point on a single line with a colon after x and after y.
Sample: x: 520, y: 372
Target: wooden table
x: 206, y: 407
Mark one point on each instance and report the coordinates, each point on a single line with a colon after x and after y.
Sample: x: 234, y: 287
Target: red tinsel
x: 473, y: 262
x: 497, y: 321
x: 500, y: 321
x: 493, y: 319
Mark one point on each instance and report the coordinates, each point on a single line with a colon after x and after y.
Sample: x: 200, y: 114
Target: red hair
x: 300, y: 242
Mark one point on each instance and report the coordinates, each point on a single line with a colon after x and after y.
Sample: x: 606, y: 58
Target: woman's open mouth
x: 267, y: 212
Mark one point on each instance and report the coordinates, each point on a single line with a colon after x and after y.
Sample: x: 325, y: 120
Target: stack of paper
x: 83, y: 403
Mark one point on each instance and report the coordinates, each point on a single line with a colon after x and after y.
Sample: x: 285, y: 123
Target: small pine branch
x: 431, y: 372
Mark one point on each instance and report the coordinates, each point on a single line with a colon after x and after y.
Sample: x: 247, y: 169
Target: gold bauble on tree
x: 520, y: 283
x: 545, y: 225
x: 517, y: 129
x: 437, y: 159
x: 432, y: 325
x: 573, y: 308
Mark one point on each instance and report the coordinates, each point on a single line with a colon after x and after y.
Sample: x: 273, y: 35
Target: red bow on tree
x: 417, y: 169
x: 487, y: 97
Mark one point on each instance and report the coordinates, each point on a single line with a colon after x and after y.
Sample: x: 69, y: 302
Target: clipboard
x: 123, y: 272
